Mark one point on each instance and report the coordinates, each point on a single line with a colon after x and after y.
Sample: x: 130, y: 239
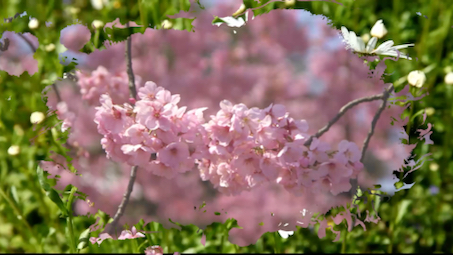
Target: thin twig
x: 130, y: 74
x: 342, y: 111
x: 122, y: 207
x: 133, y: 92
x: 385, y: 97
x: 386, y: 94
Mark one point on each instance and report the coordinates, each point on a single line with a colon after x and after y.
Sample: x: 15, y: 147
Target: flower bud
x: 416, y: 78
x: 240, y: 10
x: 37, y: 117
x: 290, y: 3
x: 365, y: 37
x: 49, y: 47
x: 97, y: 24
x: 117, y: 4
x: 434, y: 167
x: 449, y: 78
x: 430, y: 111
x: 73, y: 10
x: 13, y: 150
x: 378, y: 30
x: 33, y: 23
x: 166, y: 24
x: 98, y: 4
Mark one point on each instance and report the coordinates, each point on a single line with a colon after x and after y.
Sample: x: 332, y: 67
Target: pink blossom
x: 175, y: 155
x: 74, y: 37
x: 110, y: 118
x: 154, y: 115
x: 101, y: 238
x: 154, y: 250
x: 130, y: 234
x: 148, y: 91
x: 350, y: 151
x: 140, y: 155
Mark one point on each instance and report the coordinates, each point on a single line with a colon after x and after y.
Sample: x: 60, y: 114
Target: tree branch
x: 110, y: 229
x: 342, y: 111
x: 385, y: 97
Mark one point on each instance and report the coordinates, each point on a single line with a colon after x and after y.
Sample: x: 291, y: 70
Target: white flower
x: 378, y: 30
x: 234, y: 22
x: 285, y: 234
x: 98, y: 4
x: 13, y: 150
x: 37, y: 117
x: 416, y: 78
x: 33, y: 23
x: 449, y: 78
x: 358, y: 45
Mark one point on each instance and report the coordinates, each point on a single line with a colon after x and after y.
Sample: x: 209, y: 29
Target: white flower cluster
x: 378, y: 31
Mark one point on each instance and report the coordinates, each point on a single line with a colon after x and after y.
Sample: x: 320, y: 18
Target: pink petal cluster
x: 101, y: 81
x: 248, y: 147
x: 155, y: 128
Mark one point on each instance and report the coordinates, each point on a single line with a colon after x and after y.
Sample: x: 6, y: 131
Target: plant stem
x: 20, y: 216
x: 345, y: 239
x: 276, y: 242
x: 135, y: 246
x: 72, y: 241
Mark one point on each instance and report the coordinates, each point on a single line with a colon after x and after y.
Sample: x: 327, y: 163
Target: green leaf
x: 51, y: 193
x: 417, y: 114
x: 402, y: 210
x: 14, y: 194
x: 83, y: 239
x: 142, y: 245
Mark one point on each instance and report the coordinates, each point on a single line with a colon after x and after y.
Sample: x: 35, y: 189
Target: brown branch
x: 130, y: 73
x: 342, y: 111
x: 385, y: 97
x: 5, y: 45
x: 110, y: 229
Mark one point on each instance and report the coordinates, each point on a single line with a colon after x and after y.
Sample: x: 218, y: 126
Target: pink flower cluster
x: 248, y: 147
x: 101, y: 81
x: 125, y: 234
x: 156, y: 134
x: 238, y: 149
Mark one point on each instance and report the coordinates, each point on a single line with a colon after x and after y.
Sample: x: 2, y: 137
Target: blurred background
x: 290, y: 53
